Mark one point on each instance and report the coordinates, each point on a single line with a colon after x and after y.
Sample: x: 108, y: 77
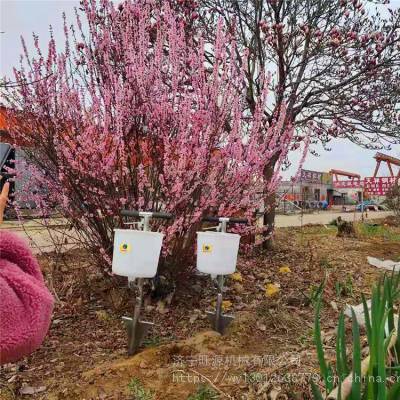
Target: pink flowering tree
x: 131, y: 114
x: 335, y: 64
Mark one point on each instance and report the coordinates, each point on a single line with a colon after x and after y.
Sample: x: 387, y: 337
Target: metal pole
x: 137, y: 329
x: 221, y: 280
x: 218, y: 314
x: 362, y: 203
x: 132, y: 346
x: 218, y: 319
x: 146, y: 222
x: 222, y: 224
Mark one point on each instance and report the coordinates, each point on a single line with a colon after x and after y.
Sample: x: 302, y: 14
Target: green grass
x: 344, y: 288
x: 138, y: 392
x: 325, y: 263
x: 378, y: 231
x: 155, y: 341
x: 315, y: 291
x: 307, y: 337
x: 204, y: 392
x: 319, y: 230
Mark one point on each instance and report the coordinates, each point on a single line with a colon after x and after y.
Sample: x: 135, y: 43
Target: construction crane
x: 350, y: 175
x: 389, y: 160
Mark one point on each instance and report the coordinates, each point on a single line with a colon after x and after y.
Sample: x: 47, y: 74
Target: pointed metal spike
x: 219, y: 324
x: 136, y: 333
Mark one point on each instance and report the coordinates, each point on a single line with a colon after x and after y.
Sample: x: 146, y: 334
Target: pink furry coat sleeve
x: 26, y: 304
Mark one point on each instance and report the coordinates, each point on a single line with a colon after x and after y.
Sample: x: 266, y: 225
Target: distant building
x: 313, y: 188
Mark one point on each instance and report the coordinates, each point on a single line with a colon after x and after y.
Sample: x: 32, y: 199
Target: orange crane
x: 350, y: 175
x: 389, y: 160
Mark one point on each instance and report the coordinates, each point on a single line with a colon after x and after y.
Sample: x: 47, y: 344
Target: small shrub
x: 333, y: 222
x: 345, y: 228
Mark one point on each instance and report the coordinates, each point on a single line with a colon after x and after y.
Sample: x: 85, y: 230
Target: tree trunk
x: 269, y: 221
x: 269, y: 207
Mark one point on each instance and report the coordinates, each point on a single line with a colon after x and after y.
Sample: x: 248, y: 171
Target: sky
x: 22, y: 17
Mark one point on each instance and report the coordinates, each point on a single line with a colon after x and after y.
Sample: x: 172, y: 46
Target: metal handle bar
x: 155, y: 214
x: 228, y: 220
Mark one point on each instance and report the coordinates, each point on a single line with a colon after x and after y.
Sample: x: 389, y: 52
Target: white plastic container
x: 136, y: 253
x: 217, y: 252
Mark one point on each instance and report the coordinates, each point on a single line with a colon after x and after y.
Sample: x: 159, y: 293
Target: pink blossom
x: 147, y: 128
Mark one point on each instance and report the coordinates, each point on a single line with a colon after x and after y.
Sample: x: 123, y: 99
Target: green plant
x: 138, y: 391
x: 375, y: 230
x: 344, y: 288
x: 154, y: 341
x: 204, y: 392
x: 316, y: 292
x: 370, y: 377
x: 325, y: 263
x: 306, y: 337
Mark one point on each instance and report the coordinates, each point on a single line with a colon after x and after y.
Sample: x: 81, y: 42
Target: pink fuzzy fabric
x: 26, y: 304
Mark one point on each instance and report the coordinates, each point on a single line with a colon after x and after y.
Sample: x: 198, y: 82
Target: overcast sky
x: 22, y: 17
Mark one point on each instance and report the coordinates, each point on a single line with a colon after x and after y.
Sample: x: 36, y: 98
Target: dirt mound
x: 156, y: 368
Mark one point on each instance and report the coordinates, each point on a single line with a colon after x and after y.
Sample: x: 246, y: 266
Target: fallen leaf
x: 274, y: 394
x: 102, y: 315
x: 193, y: 318
x: 285, y: 269
x: 237, y: 276
x: 27, y: 390
x: 271, y: 289
x: 161, y: 307
x: 261, y: 326
x: 226, y: 304
x: 238, y: 288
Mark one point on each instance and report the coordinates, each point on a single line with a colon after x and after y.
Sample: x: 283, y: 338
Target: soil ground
x: 267, y: 352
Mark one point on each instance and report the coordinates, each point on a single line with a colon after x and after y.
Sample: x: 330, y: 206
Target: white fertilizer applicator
x: 136, y: 255
x: 217, y: 255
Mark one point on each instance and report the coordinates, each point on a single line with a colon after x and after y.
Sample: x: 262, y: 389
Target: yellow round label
x: 207, y: 248
x: 124, y: 247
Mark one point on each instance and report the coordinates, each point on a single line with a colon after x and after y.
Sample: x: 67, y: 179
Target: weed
x: 316, y: 291
x: 204, y: 392
x: 377, y: 231
x: 344, y: 288
x: 324, y: 263
x: 138, y: 391
x: 152, y: 341
x: 306, y: 337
